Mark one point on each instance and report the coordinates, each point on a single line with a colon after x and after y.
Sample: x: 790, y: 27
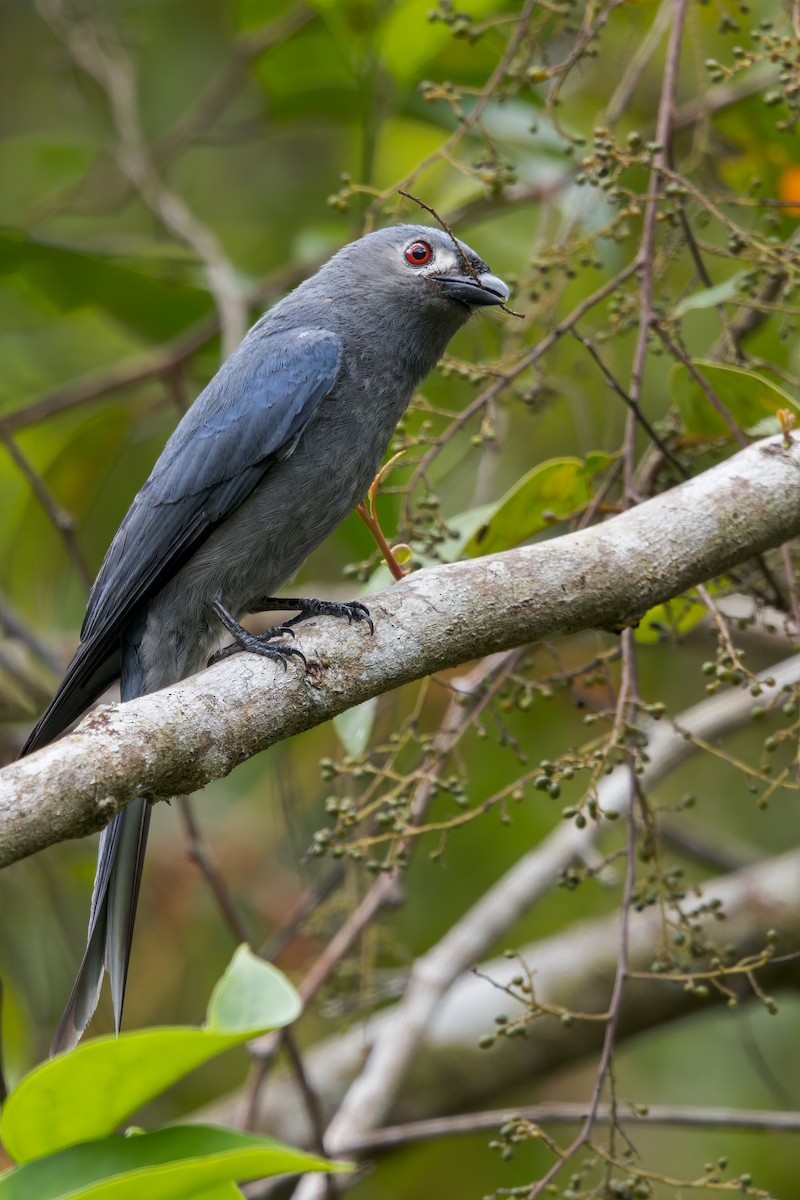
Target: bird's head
x: 425, y: 268
x: 416, y: 277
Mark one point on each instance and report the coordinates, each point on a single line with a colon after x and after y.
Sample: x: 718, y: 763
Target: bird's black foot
x: 354, y: 610
x: 254, y: 643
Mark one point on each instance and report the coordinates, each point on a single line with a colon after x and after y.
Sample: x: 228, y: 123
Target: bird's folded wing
x: 252, y: 413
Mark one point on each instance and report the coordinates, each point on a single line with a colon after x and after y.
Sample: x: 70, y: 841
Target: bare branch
x: 528, y: 881
x: 605, y: 576
x: 106, y: 62
x: 647, y: 245
x: 59, y: 518
x: 570, y: 1113
x: 574, y: 969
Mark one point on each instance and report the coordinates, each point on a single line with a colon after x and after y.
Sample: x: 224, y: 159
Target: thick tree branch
x: 601, y: 577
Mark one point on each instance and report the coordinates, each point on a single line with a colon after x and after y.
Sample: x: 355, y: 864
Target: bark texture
x: 605, y: 576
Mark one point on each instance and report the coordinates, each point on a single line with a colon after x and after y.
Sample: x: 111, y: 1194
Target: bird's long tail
x: 113, y: 911
x: 120, y: 857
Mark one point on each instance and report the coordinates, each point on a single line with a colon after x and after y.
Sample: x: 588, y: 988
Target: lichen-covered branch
x: 601, y: 577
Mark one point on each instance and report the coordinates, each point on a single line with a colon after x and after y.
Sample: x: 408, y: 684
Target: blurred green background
x: 282, y: 130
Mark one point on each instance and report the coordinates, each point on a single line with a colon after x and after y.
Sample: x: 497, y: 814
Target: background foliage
x: 169, y: 169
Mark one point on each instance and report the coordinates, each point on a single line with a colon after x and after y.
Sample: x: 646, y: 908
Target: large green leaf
x: 191, y: 1162
x: 553, y: 491
x: 749, y: 398
x: 142, y: 293
x: 88, y: 1092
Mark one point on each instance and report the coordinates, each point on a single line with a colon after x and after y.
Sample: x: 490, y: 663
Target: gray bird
x: 276, y: 451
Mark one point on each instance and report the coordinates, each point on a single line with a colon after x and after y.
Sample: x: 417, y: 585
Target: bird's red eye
x: 419, y: 253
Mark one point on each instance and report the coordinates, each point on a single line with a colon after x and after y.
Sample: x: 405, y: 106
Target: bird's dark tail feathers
x: 121, y: 850
x: 113, y: 911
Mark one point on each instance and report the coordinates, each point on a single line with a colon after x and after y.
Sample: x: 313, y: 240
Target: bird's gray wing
x: 251, y: 414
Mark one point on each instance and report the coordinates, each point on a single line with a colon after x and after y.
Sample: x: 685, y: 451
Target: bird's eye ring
x: 418, y: 254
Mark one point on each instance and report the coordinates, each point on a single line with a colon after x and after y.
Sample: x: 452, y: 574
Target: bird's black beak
x: 480, y: 290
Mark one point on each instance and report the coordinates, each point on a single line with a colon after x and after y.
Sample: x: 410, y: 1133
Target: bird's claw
x: 262, y: 644
x: 354, y: 610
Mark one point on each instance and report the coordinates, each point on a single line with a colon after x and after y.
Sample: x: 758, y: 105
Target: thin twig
x: 645, y: 258
x: 641, y: 57
x: 791, y: 584
x: 306, y: 904
x: 625, y: 715
x: 386, y: 889
x: 111, y: 68
x: 633, y: 406
x: 688, y: 1116
x: 310, y: 1097
x: 482, y: 682
x: 459, y: 251
x: 59, y: 518
x: 14, y: 626
x: 700, y: 379
x: 199, y: 854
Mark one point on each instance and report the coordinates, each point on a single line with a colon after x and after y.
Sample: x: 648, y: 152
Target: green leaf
x: 141, y: 293
x: 88, y: 1092
x: 748, y: 397
x: 552, y: 491
x: 354, y: 726
x: 192, y: 1162
x: 251, y: 996
x: 409, y: 40
x: 460, y: 529
x: 710, y: 297
x: 766, y: 427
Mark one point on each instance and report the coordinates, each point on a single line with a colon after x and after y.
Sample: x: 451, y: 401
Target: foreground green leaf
x: 182, y: 1163
x: 88, y: 1092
